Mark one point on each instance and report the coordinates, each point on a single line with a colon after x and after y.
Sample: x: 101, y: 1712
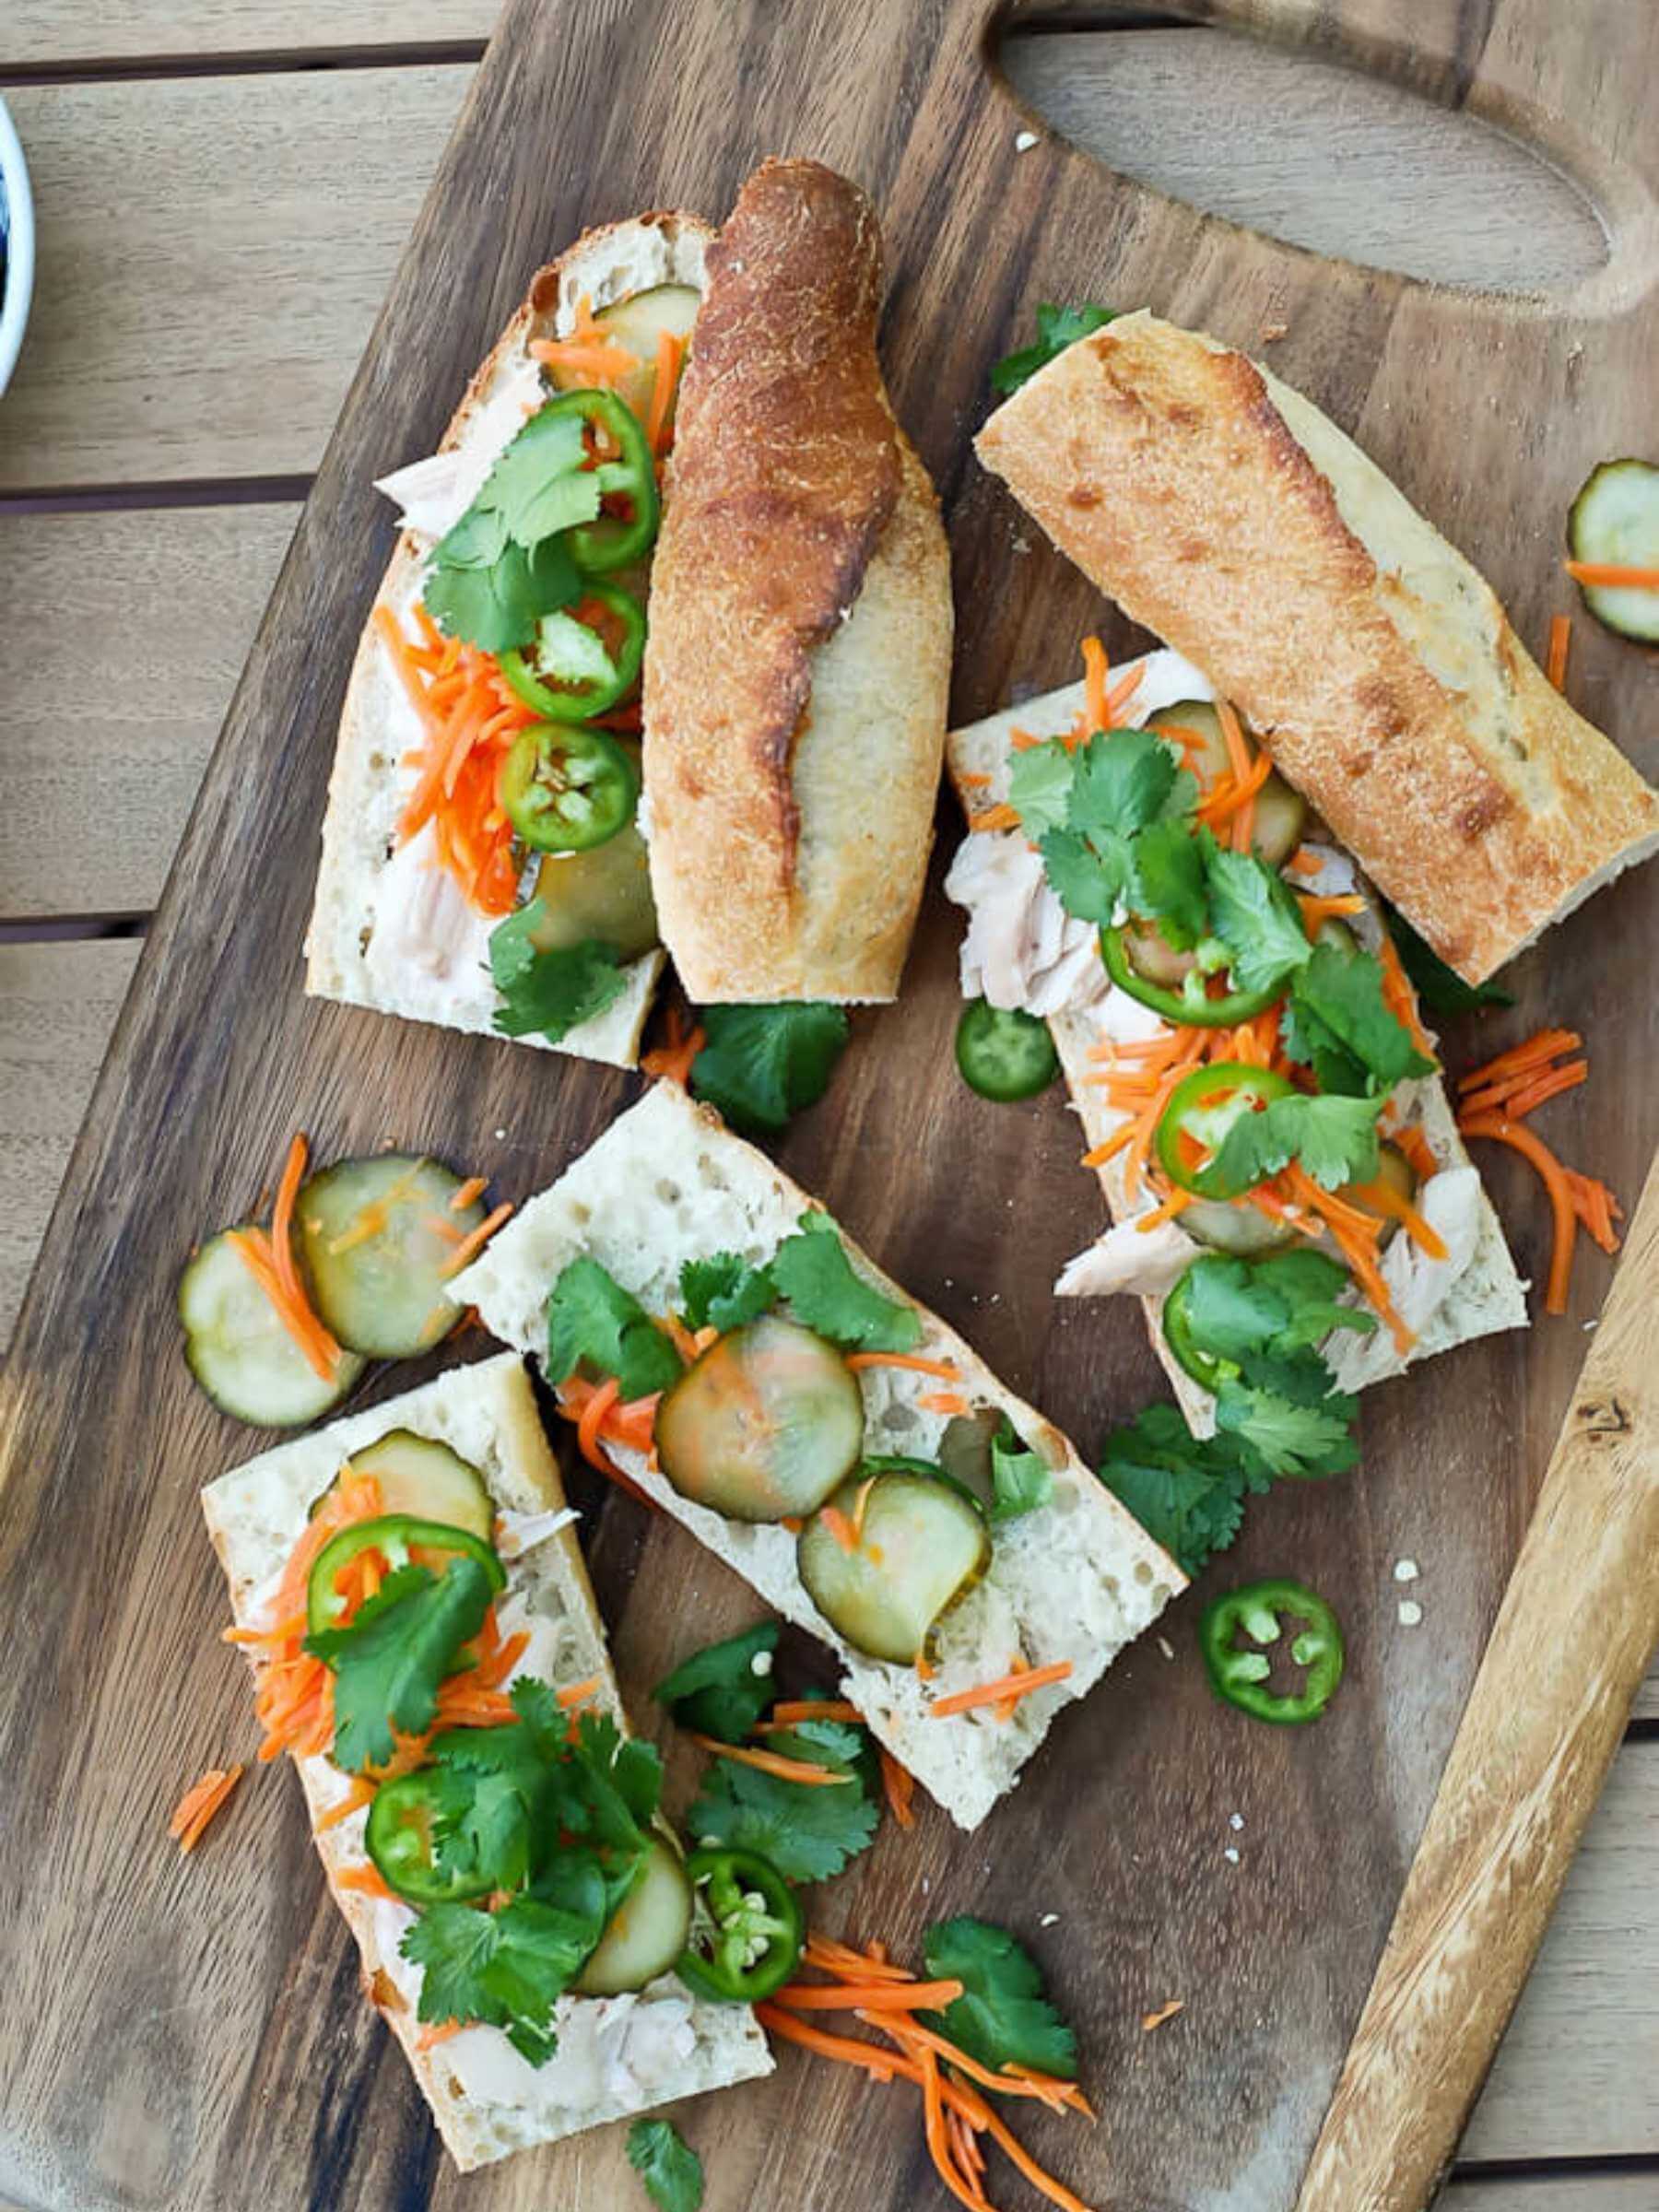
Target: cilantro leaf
x: 1020, y: 1479
x: 809, y: 1833
x: 1040, y: 782
x: 1344, y: 991
x: 495, y: 603
x: 1255, y: 915
x: 1292, y: 1438
x: 1003, y: 2016
x: 1123, y: 780
x: 390, y: 1658
x: 670, y: 2170
x: 812, y: 1271
x: 549, y: 992
x: 602, y: 1797
x: 1168, y: 881
x: 719, y: 1691
x: 592, y: 1318
x: 1441, y: 988
x: 761, y: 1065
x: 1086, y: 882
x: 508, y: 1968
x: 481, y: 1824
x: 1334, y: 1139
x: 1187, y: 1492
x: 722, y: 1292
x: 540, y: 483
x: 1057, y: 327
x: 1311, y: 1043
x: 1232, y: 1308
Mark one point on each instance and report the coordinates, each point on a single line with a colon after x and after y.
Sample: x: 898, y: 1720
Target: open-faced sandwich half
x: 425, y: 1643
x: 719, y: 1342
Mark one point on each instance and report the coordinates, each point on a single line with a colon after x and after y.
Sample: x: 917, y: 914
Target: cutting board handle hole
x: 1336, y: 160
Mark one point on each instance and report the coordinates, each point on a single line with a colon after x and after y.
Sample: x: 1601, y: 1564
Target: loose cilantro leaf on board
x: 1020, y: 1479
x: 1289, y: 1437
x: 719, y: 1691
x: 548, y: 993
x: 1334, y: 1139
x: 810, y: 1832
x: 495, y: 600
x: 1441, y: 988
x: 1255, y: 915
x: 722, y: 1292
x: 390, y: 1658
x: 1344, y: 992
x: 670, y: 2170
x: 1003, y: 2016
x: 761, y: 1065
x: 1187, y: 1492
x: 592, y: 1318
x: 509, y: 1967
x: 812, y: 1271
x: 1057, y: 327
x: 540, y: 484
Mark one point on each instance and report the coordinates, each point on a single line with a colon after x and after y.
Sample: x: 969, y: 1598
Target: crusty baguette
x: 1075, y: 1580
x: 1484, y: 1294
x: 798, y: 665
x: 377, y: 723
x: 1226, y: 512
x: 659, y: 2045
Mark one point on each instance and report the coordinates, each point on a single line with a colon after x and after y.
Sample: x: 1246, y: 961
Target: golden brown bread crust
x: 795, y: 516
x: 1223, y: 512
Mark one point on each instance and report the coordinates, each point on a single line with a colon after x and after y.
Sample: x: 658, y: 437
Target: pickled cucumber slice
x: 921, y: 1545
x: 1281, y: 813
x: 1616, y: 519
x: 647, y: 1932
x: 238, y: 1350
x: 376, y: 1236
x: 638, y: 323
x: 1242, y: 1228
x: 419, y: 1477
x: 764, y: 1425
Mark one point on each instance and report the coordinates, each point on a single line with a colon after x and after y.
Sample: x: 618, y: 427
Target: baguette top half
x: 1073, y: 1579
x: 1228, y: 515
x: 798, y: 664
x: 616, y: 2055
x: 356, y: 945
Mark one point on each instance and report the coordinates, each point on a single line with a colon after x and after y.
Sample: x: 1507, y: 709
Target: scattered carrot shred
x: 590, y: 355
x: 579, y: 1693
x: 672, y: 1060
x: 1531, y: 1148
x: 1011, y: 1686
x: 1612, y: 575
x: 1316, y: 913
x: 659, y: 428
x: 788, y: 1712
x: 360, y: 1791
x: 898, y: 1785
x: 1164, y: 2012
x: 1097, y: 674
x: 881, y: 1995
x: 943, y: 1401
x: 1560, y: 644
x: 1596, y: 1208
x: 1530, y: 1053
x: 472, y: 1188
x: 1000, y: 817
x: 1400, y: 996
x: 368, y: 1879
x: 471, y: 1245
x: 840, y: 1527
x: 436, y: 2033
x: 195, y: 1810
x: 946, y: 1370
x: 771, y: 1762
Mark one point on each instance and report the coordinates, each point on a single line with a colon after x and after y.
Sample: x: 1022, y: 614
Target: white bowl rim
x: 19, y: 246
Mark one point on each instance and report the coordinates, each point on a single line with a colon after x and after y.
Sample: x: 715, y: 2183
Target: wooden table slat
x: 66, y: 32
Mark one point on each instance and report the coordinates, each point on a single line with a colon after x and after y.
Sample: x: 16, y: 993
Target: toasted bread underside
x: 616, y: 2055
x: 798, y: 667
x: 1487, y: 1296
x: 377, y: 724
x: 1228, y: 515
x: 1075, y: 1580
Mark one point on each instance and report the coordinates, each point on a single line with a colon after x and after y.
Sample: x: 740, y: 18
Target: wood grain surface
x: 66, y: 32
x: 219, y: 2057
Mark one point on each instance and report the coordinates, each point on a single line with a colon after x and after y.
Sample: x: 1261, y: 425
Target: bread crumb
x: 1166, y: 1647
x: 1024, y: 141
x: 1406, y: 1570
x: 500, y: 1136
x: 1235, y: 1821
x: 1410, y: 1612
x: 1270, y: 331
x: 1231, y: 1856
x: 1048, y: 1919
x: 1165, y: 2012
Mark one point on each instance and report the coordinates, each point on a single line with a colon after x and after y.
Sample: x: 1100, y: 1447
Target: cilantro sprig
x: 810, y: 1832
x: 504, y: 565
x: 670, y: 2169
x: 390, y: 1658
x: 548, y: 993
x: 1003, y: 2016
x: 760, y: 1065
x: 593, y: 1321
x: 722, y: 1689
x: 1057, y: 327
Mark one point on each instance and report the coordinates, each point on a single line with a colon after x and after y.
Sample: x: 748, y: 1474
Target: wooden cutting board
x: 189, y: 2034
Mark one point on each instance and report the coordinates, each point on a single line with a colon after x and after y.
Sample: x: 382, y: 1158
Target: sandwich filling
x: 1288, y: 1185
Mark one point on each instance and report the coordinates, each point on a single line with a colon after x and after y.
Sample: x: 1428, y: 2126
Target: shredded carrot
x: 472, y: 1188
x: 882, y: 2065
x: 199, y: 1804
x: 1531, y: 1052
x: 671, y: 1061
x: 1316, y: 913
x: 579, y: 1693
x: 1612, y: 575
x: 1044, y: 2184
x: 470, y: 1246
x: 771, y: 1762
x: 1233, y: 800
x: 1238, y: 754
x: 1554, y: 1175
x: 946, y: 1370
x: 1164, y: 2012
x: 1097, y: 671
x: 1045, y: 2088
x: 849, y: 1964
x: 1000, y: 817
x: 943, y: 1401
x: 1560, y: 644
x: 669, y: 354
x: 860, y: 1505
x: 1524, y: 1094
x: 1176, y: 1203
x: 1303, y: 863
x: 898, y: 1786
x: 1400, y: 996
x: 938, y: 2145
x: 925, y: 1670
x: 254, y: 1247
x: 591, y: 354
x: 360, y: 1791
x: 973, y: 778
x: 368, y: 1879
x: 878, y: 1996
x: 1010, y: 1686
x: 592, y: 1417
x: 1356, y: 1234
x: 1380, y: 1197
x: 789, y: 1711
x: 1595, y: 1206
x: 840, y: 1527
x: 436, y: 2033
x: 576, y: 1400
x: 1418, y: 1150
x: 1120, y: 693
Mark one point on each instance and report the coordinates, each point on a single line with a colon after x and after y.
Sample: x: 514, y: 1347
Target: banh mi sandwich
x: 1227, y: 514
x: 483, y: 863
x: 752, y: 1372
x: 485, y: 1823
x: 1260, y: 1095
x: 798, y: 667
